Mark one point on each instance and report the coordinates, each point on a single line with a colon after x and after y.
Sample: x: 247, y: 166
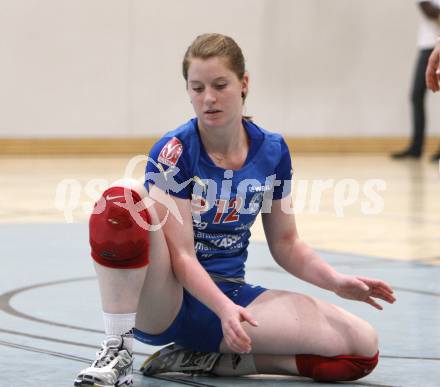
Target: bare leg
x: 303, y: 325
x: 152, y: 291
x: 161, y: 294
x: 119, y: 288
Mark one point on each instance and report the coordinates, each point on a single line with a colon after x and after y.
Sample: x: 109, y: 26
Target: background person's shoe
x: 406, y: 154
x: 436, y: 156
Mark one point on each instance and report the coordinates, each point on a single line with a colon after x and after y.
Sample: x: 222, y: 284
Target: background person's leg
x: 418, y: 103
x: 418, y: 117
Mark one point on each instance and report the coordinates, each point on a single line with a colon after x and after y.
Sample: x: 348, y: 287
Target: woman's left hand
x: 364, y: 289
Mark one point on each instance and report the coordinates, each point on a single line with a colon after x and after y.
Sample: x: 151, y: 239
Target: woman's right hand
x: 432, y: 75
x: 234, y: 335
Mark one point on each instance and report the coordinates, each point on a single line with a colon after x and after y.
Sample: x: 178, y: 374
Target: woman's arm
x: 297, y: 258
x: 193, y: 277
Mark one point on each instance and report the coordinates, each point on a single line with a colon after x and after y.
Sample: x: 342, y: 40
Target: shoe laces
x: 108, y: 352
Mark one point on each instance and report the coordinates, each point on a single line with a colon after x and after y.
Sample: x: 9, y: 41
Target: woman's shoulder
x: 181, y: 141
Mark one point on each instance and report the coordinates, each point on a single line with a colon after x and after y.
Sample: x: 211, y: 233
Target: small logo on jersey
x: 171, y: 152
x: 199, y: 225
x: 260, y: 188
x: 244, y: 227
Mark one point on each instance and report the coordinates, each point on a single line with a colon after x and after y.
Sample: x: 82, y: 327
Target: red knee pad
x: 335, y: 369
x: 118, y: 230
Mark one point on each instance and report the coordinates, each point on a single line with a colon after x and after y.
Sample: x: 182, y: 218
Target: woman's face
x: 215, y: 92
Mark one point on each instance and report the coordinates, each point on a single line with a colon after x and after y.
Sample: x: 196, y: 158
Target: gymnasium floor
x: 50, y: 322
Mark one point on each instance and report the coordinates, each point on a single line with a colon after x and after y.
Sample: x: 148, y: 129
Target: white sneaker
x: 175, y: 358
x: 113, y: 366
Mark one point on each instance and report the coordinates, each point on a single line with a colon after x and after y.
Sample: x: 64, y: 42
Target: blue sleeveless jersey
x: 224, y: 202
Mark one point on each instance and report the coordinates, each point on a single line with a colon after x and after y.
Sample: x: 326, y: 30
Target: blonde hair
x: 216, y: 45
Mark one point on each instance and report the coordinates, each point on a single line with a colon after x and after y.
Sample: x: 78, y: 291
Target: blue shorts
x: 196, y: 327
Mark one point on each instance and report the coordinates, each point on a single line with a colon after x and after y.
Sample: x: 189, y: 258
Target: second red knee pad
x: 335, y: 369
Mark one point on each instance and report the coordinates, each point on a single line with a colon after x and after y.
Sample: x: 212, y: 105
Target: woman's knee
x: 337, y: 368
x: 119, y: 226
x: 365, y: 339
x: 372, y: 340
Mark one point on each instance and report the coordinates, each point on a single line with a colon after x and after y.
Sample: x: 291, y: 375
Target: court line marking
x: 398, y: 288
x: 88, y: 361
x: 435, y: 260
x: 58, y: 341
x: 83, y: 345
x: 160, y: 377
x: 416, y: 291
x: 395, y: 260
x: 5, y: 305
x: 415, y: 261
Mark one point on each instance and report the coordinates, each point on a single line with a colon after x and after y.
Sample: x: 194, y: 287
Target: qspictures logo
x: 307, y: 196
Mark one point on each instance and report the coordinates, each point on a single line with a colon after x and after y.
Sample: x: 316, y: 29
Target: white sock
x: 120, y: 325
x: 233, y: 364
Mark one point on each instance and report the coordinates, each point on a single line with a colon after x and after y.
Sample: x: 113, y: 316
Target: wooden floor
x: 35, y: 190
